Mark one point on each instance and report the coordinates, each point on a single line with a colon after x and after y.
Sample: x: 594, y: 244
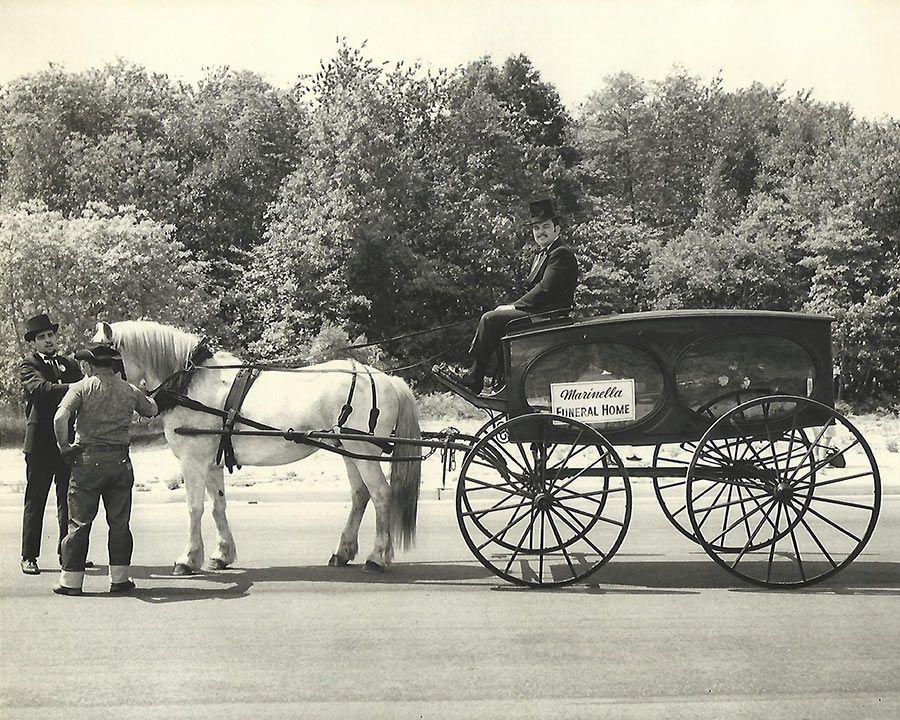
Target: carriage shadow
x: 621, y: 576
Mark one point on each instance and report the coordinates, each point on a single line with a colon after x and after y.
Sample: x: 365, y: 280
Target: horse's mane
x: 163, y: 348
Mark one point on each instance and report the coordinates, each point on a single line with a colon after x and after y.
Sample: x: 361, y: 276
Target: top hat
x: 98, y: 354
x: 38, y: 324
x: 541, y: 210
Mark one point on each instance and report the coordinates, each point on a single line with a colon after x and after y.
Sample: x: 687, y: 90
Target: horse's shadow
x: 620, y: 576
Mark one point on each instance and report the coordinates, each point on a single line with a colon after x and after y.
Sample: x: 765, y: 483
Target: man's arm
x: 61, y: 420
x: 143, y: 405
x: 560, y: 275
x: 36, y: 386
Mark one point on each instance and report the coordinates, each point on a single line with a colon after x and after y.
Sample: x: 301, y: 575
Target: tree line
x: 375, y: 199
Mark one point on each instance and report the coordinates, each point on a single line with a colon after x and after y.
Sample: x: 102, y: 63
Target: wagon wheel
x: 774, y: 515
x: 717, y: 453
x: 543, y: 513
x: 670, y: 491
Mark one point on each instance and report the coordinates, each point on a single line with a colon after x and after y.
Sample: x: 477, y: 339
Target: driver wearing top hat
x: 45, y: 378
x: 551, y: 286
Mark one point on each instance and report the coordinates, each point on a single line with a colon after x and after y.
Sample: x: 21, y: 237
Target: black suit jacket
x: 552, y: 283
x: 44, y: 390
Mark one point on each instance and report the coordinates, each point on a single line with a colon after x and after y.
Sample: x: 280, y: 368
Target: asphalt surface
x: 662, y: 632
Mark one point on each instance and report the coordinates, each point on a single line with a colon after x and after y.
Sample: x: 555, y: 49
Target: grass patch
x: 446, y: 407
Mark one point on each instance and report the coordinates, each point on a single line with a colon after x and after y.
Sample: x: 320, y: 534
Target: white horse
x: 308, y: 400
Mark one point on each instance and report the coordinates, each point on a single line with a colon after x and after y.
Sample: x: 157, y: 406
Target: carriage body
x: 750, y: 460
x: 661, y: 377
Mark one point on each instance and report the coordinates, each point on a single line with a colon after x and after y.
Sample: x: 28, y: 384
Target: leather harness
x: 170, y: 394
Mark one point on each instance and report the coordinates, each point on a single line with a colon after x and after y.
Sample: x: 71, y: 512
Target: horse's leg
x: 225, y: 551
x: 191, y: 560
x: 359, y: 498
x: 383, y: 551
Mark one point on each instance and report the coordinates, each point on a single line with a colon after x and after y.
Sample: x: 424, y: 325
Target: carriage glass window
x: 716, y: 375
x: 601, y: 364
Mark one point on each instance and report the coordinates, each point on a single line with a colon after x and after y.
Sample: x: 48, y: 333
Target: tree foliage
x: 374, y: 199
x: 113, y: 265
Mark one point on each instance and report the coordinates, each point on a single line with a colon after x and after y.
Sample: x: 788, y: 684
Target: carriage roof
x: 530, y: 326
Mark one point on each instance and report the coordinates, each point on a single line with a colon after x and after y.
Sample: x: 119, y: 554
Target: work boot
x: 71, y: 591
x: 122, y: 587
x: 30, y: 566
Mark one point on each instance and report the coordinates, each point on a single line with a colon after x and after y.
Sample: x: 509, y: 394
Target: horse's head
x: 150, y: 352
x: 104, y: 333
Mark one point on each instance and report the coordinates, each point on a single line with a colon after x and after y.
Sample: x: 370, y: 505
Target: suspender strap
x: 239, y: 389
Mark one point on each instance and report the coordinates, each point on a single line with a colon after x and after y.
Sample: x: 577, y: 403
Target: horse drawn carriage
x: 750, y: 459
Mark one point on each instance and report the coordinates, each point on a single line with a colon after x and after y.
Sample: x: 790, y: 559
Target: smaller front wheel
x: 547, y: 510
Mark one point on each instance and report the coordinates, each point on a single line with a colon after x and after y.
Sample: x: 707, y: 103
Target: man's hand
x: 70, y: 452
x: 505, y: 307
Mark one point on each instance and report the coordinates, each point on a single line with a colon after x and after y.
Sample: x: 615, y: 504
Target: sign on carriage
x: 593, y: 402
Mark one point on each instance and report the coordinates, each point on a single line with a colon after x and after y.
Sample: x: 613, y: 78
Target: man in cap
x: 551, y: 286
x: 45, y: 377
x: 102, y: 405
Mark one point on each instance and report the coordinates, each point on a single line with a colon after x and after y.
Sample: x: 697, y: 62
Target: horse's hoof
x: 215, y: 564
x: 182, y: 569
x: 337, y: 561
x: 372, y: 567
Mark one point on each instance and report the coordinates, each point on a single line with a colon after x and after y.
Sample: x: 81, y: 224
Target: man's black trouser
x: 491, y: 327
x: 41, y: 471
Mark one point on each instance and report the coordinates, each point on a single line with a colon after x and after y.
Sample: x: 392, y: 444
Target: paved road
x: 664, y: 633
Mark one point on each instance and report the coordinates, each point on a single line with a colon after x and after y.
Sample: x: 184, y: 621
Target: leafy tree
x: 104, y: 264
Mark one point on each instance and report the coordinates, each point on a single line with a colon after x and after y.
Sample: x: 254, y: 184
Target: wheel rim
x: 777, y: 514
x: 543, y: 513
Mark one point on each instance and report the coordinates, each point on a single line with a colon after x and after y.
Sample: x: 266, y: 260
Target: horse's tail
x: 405, y: 474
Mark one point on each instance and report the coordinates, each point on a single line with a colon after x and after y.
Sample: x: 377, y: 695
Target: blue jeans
x: 99, y: 474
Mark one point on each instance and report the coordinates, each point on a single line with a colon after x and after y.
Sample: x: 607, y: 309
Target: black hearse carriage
x: 750, y: 459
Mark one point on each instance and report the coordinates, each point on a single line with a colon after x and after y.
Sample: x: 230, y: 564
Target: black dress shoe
x: 30, y: 566
x: 122, y: 587
x: 472, y: 382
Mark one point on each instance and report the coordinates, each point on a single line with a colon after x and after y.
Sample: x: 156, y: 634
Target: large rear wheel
x: 777, y: 511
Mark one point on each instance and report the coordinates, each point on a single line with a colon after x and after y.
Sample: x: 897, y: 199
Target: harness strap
x: 374, y: 412
x: 239, y: 389
x: 347, y: 409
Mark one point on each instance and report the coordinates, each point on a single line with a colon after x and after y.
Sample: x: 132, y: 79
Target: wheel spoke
x: 815, y: 538
x: 515, y: 553
x: 823, y: 483
x: 562, y: 545
x: 833, y: 524
x: 772, y: 546
x: 844, y: 503
x: 581, y: 533
x: 501, y: 533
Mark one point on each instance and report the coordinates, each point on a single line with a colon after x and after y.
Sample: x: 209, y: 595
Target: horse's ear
x: 104, y: 330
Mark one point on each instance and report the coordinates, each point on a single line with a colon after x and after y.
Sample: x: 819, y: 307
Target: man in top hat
x: 551, y: 286
x: 103, y: 405
x: 45, y: 378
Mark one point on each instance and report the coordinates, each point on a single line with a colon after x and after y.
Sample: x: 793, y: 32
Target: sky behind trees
x: 843, y: 50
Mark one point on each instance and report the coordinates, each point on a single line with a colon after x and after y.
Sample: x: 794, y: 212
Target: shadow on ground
x: 158, y: 585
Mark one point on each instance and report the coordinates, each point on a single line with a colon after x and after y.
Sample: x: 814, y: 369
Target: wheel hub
x: 783, y: 492
x: 543, y: 501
